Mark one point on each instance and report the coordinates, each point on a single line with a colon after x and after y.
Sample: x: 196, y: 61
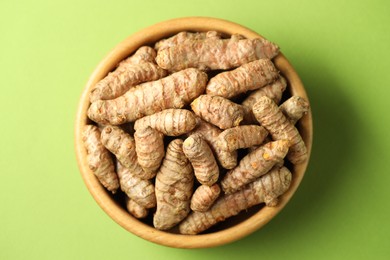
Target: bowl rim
x: 150, y: 35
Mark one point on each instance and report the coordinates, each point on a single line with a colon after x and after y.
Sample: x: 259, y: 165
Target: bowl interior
x: 231, y: 229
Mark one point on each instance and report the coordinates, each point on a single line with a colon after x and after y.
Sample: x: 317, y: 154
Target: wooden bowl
x: 231, y: 229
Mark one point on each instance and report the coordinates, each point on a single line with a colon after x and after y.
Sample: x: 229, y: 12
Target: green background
x: 339, y: 48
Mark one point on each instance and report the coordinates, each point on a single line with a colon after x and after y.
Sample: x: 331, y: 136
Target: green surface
x: 341, y: 51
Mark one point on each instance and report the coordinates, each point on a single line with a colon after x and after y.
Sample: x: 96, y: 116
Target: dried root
x: 136, y: 69
x: 149, y: 145
x: 184, y: 37
x: 99, y: 159
x: 240, y: 137
x: 204, y: 197
x: 143, y: 54
x: 250, y: 76
x: 294, y: 108
x: 171, y: 122
x: 271, y: 117
x: 274, y: 91
x: 137, y: 189
x: 174, y: 186
x: 215, y: 54
x: 210, y: 133
x: 135, y: 209
x: 218, y: 110
x: 202, y: 159
x: 255, y: 164
x: 122, y: 145
x: 265, y: 189
x: 174, y: 91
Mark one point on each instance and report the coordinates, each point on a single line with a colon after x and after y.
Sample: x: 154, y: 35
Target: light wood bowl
x: 231, y: 229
